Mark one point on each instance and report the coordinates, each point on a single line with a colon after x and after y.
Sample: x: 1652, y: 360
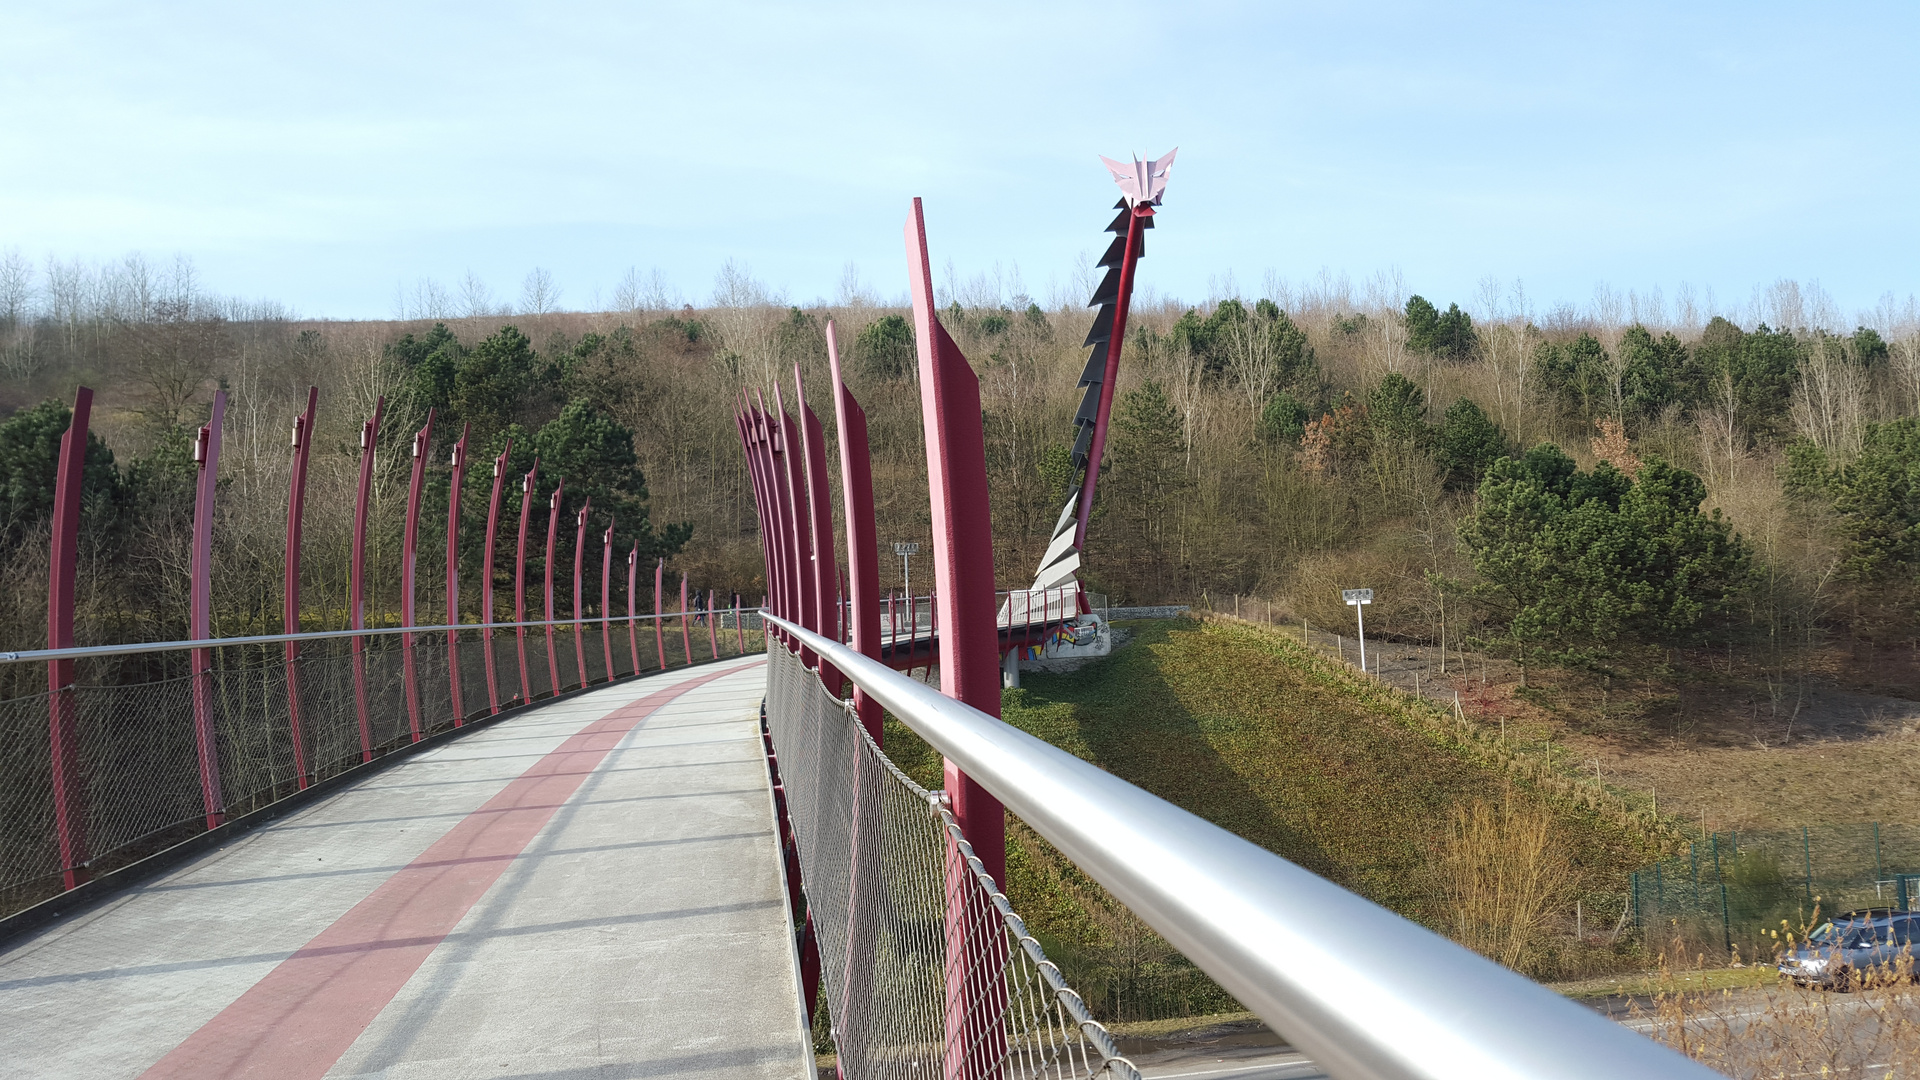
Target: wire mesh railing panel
x: 328, y: 719
x: 138, y: 763
x: 159, y: 750
x: 255, y: 753
x: 925, y: 969
x: 29, y: 852
x: 588, y: 640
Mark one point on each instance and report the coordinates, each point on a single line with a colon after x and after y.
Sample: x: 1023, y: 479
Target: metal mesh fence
x: 137, y: 782
x: 1732, y: 890
x: 925, y: 969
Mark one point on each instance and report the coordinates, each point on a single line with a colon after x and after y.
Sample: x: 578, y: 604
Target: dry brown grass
x: 1502, y: 877
x: 1780, y: 1030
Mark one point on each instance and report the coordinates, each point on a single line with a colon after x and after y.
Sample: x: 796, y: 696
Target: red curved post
x: 69, y: 787
x: 527, y: 484
x: 750, y: 446
x: 606, y: 597
x: 1138, y: 221
x: 713, y: 630
x: 633, y: 618
x: 969, y: 642
x: 206, y: 453
x: 659, y: 615
x: 553, y: 534
x: 774, y: 528
x: 579, y: 600
x: 486, y: 576
x: 772, y: 531
x: 290, y: 591
x: 863, y: 542
x: 459, y: 463
x: 409, y: 559
x: 686, y: 630
x: 822, y: 567
x: 357, y: 587
x: 799, y: 547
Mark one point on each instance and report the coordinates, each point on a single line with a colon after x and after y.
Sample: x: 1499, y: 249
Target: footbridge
x: 664, y: 841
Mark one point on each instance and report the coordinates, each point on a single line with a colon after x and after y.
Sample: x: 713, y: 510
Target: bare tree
x: 1829, y: 404
x: 1253, y: 358
x: 16, y: 287
x: 539, y: 295
x: 1387, y: 344
x: 476, y: 300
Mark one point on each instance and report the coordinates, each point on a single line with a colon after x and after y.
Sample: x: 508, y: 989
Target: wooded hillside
x: 1748, y: 478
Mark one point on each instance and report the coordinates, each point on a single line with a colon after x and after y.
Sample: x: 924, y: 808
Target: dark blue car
x: 1837, y: 952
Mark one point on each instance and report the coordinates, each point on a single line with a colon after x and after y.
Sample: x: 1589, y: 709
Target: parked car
x: 1836, y: 953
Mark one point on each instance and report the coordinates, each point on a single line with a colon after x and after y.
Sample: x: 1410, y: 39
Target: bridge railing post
x: 290, y: 590
x: 969, y: 646
x: 409, y: 560
x: 200, y: 616
x: 69, y: 786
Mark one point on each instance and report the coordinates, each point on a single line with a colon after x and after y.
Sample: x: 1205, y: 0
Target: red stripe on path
x: 297, y: 1020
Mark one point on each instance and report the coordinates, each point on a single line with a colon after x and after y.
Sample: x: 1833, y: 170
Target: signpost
x: 905, y: 550
x: 1357, y: 599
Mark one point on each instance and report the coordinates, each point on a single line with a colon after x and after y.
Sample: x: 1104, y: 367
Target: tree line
x: 1580, y: 482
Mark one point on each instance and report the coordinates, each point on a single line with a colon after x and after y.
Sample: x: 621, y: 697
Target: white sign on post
x: 903, y: 550
x: 1355, y: 598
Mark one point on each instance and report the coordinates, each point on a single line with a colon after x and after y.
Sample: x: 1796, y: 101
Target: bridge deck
x: 588, y: 889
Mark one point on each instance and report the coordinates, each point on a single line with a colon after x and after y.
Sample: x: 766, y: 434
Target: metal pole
x: 969, y: 646
x: 686, y: 628
x: 527, y: 484
x: 1726, y: 922
x: 200, y: 617
x: 739, y: 627
x: 798, y: 518
x: 633, y: 619
x: 369, y: 431
x: 659, y: 632
x: 579, y: 599
x: 1877, y: 874
x: 459, y: 462
x: 606, y: 596
x: 1806, y: 852
x: 765, y: 433
x: 760, y: 458
x: 749, y: 444
x: 486, y: 574
x: 290, y: 590
x: 863, y: 535
x: 409, y: 559
x: 824, y: 569
x: 553, y: 532
x: 1359, y: 613
x: 69, y: 784
x: 713, y: 631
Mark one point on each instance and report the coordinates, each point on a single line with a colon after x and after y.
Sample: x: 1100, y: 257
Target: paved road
x: 589, y: 889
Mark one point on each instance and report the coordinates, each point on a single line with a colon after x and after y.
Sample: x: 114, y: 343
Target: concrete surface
x: 589, y: 889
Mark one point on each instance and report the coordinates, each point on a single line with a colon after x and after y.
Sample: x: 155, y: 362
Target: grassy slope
x: 1286, y: 748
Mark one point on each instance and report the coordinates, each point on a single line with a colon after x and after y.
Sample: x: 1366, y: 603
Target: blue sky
x: 324, y: 155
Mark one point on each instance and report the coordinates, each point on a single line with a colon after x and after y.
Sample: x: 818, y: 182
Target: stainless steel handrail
x: 80, y: 651
x: 1368, y: 994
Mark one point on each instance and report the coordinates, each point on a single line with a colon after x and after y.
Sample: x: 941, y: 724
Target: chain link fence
x: 1729, y: 892
x: 136, y: 783
x: 925, y: 969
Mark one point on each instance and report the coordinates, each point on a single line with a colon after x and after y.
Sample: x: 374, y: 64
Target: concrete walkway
x: 590, y: 889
